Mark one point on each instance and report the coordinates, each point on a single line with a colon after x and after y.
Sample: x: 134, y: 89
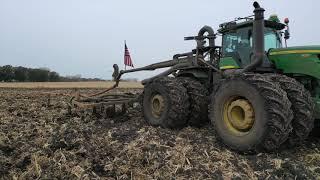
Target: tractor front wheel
x: 251, y: 113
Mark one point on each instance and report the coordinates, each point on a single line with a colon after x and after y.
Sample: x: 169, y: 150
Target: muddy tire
x: 302, y: 107
x: 266, y: 113
x: 198, y: 97
x: 316, y: 130
x: 166, y: 103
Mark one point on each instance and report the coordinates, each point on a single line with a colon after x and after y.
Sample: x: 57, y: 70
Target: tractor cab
x: 237, y: 42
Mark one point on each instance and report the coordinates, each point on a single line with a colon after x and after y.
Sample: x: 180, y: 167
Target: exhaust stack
x: 258, y: 38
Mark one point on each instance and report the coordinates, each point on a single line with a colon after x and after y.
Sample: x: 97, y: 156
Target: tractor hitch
x: 104, y: 103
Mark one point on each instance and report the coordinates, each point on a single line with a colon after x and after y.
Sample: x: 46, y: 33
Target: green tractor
x: 257, y: 94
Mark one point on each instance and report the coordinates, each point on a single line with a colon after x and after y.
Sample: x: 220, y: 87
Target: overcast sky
x: 87, y: 36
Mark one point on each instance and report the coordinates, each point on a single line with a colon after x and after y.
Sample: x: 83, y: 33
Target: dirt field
x: 37, y: 141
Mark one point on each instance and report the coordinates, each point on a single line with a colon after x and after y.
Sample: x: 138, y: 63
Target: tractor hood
x: 300, y: 60
x: 296, y: 50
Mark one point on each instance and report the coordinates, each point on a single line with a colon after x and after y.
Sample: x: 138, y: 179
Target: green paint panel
x: 297, y: 60
x: 228, y: 63
x: 296, y: 48
x: 303, y: 60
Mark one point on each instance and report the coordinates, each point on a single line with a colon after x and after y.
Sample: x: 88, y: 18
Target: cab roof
x: 226, y: 27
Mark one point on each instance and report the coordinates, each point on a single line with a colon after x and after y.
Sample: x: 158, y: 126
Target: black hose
x: 210, y: 31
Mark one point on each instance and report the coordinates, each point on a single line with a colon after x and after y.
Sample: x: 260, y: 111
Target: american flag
x: 127, y: 57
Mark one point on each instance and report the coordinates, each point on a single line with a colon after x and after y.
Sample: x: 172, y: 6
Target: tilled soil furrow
x: 41, y: 141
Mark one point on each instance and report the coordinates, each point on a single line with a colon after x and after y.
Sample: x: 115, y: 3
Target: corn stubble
x: 41, y: 140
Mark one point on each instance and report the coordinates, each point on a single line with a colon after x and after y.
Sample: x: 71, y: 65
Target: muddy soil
x: 40, y: 141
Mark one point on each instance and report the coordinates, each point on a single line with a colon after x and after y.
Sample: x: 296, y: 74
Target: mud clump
x: 41, y: 141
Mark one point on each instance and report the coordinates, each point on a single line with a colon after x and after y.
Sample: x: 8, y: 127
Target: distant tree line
x: 9, y: 73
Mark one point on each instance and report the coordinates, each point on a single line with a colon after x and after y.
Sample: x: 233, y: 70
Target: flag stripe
x: 127, y: 57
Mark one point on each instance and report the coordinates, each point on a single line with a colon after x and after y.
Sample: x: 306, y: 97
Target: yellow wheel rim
x: 157, y: 105
x: 238, y: 115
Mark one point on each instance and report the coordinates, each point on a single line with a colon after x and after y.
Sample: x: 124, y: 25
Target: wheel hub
x: 239, y: 115
x: 157, y: 105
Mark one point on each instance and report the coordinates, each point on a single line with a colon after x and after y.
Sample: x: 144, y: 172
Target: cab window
x: 232, y: 42
x: 241, y: 40
x: 271, y: 40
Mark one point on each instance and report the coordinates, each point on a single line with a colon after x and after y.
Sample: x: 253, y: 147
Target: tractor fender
x: 196, y: 73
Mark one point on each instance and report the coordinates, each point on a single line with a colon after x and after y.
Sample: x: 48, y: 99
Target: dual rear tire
x: 166, y: 103
x: 302, y: 107
x: 175, y: 102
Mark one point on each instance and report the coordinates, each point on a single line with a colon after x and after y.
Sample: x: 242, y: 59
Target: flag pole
x: 125, y: 65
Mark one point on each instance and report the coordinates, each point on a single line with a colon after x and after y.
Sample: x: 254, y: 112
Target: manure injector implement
x: 257, y: 94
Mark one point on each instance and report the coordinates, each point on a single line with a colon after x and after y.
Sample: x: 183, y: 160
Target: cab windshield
x: 241, y: 40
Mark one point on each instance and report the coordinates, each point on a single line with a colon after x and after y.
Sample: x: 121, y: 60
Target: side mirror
x: 286, y: 32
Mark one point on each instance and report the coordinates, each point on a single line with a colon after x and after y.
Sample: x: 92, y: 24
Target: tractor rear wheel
x: 166, y: 103
x: 316, y: 130
x: 251, y: 113
x: 198, y: 96
x: 302, y: 107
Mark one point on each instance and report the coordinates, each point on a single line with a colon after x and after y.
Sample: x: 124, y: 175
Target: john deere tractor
x: 257, y: 93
